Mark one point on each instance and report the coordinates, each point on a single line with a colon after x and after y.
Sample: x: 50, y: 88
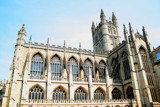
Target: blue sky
x: 70, y: 20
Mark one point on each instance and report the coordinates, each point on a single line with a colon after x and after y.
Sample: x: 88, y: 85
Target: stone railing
x: 117, y: 81
x: 80, y: 101
x: 98, y: 80
x: 78, y: 79
x: 36, y: 76
x: 57, y: 78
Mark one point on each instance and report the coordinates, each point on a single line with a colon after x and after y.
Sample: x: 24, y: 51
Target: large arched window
x: 147, y: 69
x: 36, y: 93
x: 80, y: 94
x: 102, y: 69
x: 99, y: 94
x: 126, y: 67
x: 129, y: 93
x: 88, y: 66
x: 56, y: 68
x: 59, y: 94
x: 36, y: 67
x: 73, y: 65
x: 116, y: 94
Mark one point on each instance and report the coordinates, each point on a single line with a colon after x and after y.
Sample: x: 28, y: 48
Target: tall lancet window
x: 80, y: 94
x: 36, y: 67
x: 102, y: 69
x: 126, y: 67
x: 147, y: 69
x: 72, y: 65
x: 59, y: 94
x: 88, y: 66
x: 56, y: 68
x: 99, y: 94
x: 36, y: 93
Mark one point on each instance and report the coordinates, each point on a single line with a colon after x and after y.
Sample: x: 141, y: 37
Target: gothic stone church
x: 114, y: 74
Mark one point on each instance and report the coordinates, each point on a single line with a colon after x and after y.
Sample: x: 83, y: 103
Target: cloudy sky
x: 70, y: 20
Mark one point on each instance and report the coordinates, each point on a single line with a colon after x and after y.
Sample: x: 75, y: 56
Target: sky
x: 70, y: 20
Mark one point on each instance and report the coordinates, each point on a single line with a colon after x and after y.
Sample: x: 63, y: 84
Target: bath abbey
x: 114, y: 74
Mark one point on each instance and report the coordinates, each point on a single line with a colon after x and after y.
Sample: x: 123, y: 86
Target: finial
x: 102, y: 13
x: 125, y: 29
x: 64, y: 43
x: 48, y: 41
x: 113, y: 17
x: 79, y: 45
x: 22, y: 30
x: 130, y: 27
x: 30, y: 39
x: 93, y: 24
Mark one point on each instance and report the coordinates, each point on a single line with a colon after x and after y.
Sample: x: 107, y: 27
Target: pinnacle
x: 102, y: 13
x: 22, y: 29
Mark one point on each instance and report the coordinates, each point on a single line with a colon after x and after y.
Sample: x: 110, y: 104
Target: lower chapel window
x: 116, y: 94
x: 80, y: 94
x: 56, y: 68
x: 99, y: 94
x: 130, y: 94
x: 36, y: 67
x: 36, y: 93
x: 72, y: 65
x: 59, y: 94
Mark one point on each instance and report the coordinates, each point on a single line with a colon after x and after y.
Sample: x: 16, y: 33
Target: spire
x: 102, y: 13
x: 103, y: 17
x: 80, y: 45
x: 146, y: 39
x: 125, y: 33
x: 131, y: 32
x: 30, y: 39
x: 130, y: 28
x: 22, y: 30
x: 113, y: 16
x: 48, y: 41
x: 114, y: 19
x: 64, y: 43
x: 93, y: 25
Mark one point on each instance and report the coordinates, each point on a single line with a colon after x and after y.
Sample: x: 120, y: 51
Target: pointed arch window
x: 80, y: 94
x: 116, y: 94
x: 88, y: 66
x: 72, y: 64
x: 130, y: 94
x: 36, y: 93
x: 99, y: 94
x: 102, y: 69
x: 59, y: 94
x: 36, y: 67
x: 56, y: 68
x: 126, y: 66
x: 147, y: 69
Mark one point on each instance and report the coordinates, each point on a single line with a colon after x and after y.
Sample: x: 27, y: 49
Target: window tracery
x: 126, y: 66
x: 36, y: 93
x: 88, y: 66
x: 36, y: 71
x: 130, y: 94
x: 80, y: 94
x: 73, y: 64
x: 56, y: 67
x: 102, y: 69
x: 99, y: 94
x: 147, y: 69
x: 59, y: 94
x: 116, y: 94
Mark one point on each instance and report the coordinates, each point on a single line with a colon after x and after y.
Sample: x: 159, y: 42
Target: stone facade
x: 113, y: 75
